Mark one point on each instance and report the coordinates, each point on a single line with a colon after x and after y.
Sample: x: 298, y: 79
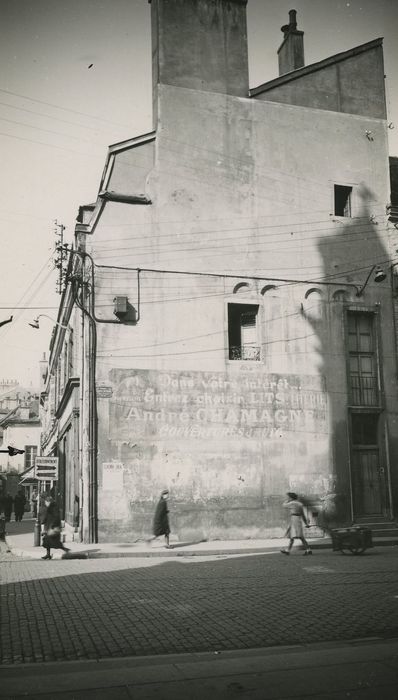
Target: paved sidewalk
x: 22, y: 545
x: 356, y: 670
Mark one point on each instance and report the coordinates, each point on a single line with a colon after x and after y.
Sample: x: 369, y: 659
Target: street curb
x: 122, y: 676
x: 169, y: 553
x: 150, y: 659
x: 179, y: 551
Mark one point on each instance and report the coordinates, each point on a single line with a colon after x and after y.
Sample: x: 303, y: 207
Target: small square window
x: 342, y: 200
x: 243, y: 332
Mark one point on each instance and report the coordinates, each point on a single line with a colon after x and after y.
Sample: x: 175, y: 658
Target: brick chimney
x: 291, y: 50
x: 200, y: 44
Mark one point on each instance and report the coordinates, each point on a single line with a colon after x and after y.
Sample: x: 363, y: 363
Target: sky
x: 76, y: 77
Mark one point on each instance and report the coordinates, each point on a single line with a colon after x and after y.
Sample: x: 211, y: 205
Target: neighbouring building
x: 20, y: 428
x: 60, y: 413
x: 230, y: 288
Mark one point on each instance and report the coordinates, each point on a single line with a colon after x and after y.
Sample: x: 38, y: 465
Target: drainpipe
x: 93, y: 483
x: 85, y: 423
x: 81, y: 424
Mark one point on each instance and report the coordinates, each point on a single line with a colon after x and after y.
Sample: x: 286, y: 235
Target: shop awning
x: 28, y: 475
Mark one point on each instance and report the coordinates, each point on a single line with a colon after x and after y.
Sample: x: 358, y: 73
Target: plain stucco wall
x: 354, y: 85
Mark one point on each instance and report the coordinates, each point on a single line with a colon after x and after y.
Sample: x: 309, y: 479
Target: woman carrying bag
x: 52, y: 528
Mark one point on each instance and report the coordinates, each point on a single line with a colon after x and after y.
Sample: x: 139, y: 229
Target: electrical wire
x: 53, y: 118
x: 250, y: 276
x: 48, y: 131
x: 31, y: 308
x: 51, y: 145
x: 238, y: 217
x: 18, y: 306
x: 64, y: 109
x: 233, y: 275
x: 204, y: 250
x: 173, y: 239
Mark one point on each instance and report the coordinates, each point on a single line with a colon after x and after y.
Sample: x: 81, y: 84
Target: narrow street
x: 115, y: 607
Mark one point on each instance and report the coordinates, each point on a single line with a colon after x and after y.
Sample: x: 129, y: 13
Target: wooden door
x: 368, y: 483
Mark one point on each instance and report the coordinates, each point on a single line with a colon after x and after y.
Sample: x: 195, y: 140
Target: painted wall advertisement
x: 161, y: 405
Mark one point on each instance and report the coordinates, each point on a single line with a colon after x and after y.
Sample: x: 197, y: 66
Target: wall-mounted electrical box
x: 120, y: 307
x: 125, y: 312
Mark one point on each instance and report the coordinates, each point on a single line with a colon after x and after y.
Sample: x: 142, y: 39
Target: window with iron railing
x: 243, y: 332
x: 363, y: 363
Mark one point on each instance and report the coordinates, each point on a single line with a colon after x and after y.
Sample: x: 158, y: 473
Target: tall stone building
x: 237, y: 326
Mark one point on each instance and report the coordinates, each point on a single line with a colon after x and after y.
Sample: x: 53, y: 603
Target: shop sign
x: 112, y: 476
x: 46, y: 468
x: 104, y: 392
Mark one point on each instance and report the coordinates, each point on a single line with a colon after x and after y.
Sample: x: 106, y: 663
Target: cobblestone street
x: 83, y: 609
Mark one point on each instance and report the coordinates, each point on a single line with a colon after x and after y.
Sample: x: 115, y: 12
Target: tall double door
x: 368, y: 467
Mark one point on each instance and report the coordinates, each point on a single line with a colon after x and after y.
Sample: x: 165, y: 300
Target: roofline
x: 129, y: 143
x: 8, y: 416
x: 25, y: 471
x: 313, y: 67
x: 103, y: 194
x: 23, y: 421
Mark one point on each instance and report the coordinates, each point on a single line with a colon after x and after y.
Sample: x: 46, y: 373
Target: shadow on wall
x: 347, y: 331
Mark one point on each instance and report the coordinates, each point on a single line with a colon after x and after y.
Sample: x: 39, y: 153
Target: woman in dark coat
x: 19, y: 505
x: 161, y: 518
x: 52, y: 529
x: 8, y: 502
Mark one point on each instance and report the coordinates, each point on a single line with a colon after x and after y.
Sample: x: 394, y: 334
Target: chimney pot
x: 293, y: 19
x: 291, y: 51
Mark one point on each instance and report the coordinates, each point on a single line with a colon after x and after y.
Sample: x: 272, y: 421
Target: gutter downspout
x: 93, y: 461
x: 81, y: 415
x: 85, y: 425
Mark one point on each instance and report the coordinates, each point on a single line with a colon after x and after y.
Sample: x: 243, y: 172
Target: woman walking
x: 19, y: 505
x: 52, y: 528
x: 161, y: 519
x: 297, y: 518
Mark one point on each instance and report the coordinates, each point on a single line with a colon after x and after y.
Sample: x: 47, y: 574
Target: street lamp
x: 379, y: 276
x: 35, y: 322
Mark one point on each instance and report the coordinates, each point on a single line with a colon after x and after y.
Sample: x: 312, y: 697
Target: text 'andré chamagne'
x: 201, y: 406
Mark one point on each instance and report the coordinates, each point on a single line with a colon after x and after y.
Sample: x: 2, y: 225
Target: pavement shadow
x: 176, y: 545
x: 161, y: 606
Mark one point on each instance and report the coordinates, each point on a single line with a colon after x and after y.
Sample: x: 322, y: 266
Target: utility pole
x: 88, y: 411
x: 61, y: 253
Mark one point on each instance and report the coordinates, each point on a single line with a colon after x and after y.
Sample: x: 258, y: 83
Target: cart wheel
x: 357, y: 550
